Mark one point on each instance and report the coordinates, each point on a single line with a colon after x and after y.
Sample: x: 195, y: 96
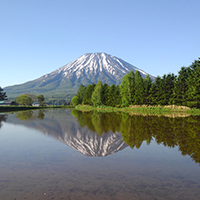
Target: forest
x: 181, y: 90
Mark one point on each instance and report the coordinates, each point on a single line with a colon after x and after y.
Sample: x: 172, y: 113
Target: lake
x: 64, y: 154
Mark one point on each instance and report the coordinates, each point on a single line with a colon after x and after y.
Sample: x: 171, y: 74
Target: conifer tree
x: 153, y: 97
x: 117, y: 96
x: 181, y: 86
x: 88, y: 94
x: 139, y: 89
x: 105, y: 94
x: 81, y: 92
x: 147, y: 85
x: 193, y: 81
x: 2, y: 95
x: 112, y: 96
x: 167, y: 88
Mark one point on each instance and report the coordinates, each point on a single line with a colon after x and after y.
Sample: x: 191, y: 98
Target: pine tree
x: 88, y: 94
x: 193, y: 81
x: 2, y: 95
x: 112, y: 96
x: 167, y: 89
x: 153, y: 97
x: 147, y: 85
x: 181, y: 86
x: 139, y: 89
x: 105, y: 94
x: 81, y: 92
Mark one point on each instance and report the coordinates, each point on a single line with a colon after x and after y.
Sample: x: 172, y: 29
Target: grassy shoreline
x: 170, y: 110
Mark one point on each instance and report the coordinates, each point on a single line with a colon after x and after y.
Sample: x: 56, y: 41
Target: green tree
x: 105, y: 94
x: 24, y: 100
x: 81, y: 93
x: 167, y: 89
x: 181, y: 87
x: 161, y: 91
x: 127, y: 89
x: 113, y: 96
x: 139, y: 89
x: 88, y: 94
x: 117, y: 96
x: 41, y: 99
x: 75, y: 100
x: 2, y: 95
x: 97, y: 94
x: 193, y: 81
x: 147, y: 86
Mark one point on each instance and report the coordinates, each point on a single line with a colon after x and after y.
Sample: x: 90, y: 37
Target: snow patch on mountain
x: 97, y: 63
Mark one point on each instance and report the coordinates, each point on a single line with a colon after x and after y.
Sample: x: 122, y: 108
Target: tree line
x: 181, y: 90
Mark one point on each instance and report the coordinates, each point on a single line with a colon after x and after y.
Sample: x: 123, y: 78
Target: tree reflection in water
x: 183, y: 132
x: 30, y: 115
x: 3, y: 118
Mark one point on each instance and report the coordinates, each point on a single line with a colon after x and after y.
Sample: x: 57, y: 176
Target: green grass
x: 171, y: 111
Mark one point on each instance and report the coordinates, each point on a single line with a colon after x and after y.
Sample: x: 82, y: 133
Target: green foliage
x: 161, y: 91
x: 97, y: 94
x: 105, y: 94
x: 193, y: 81
x: 2, y: 95
x: 181, y: 90
x: 24, y: 100
x: 32, y: 96
x: 87, y: 100
x: 147, y: 85
x: 127, y: 89
x: 181, y: 87
x: 139, y: 89
x: 41, y: 99
x: 81, y: 93
x: 75, y: 100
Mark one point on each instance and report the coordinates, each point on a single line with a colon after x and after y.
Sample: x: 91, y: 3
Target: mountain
x: 62, y: 126
x: 87, y: 69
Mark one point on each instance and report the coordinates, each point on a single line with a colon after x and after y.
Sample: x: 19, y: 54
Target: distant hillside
x: 87, y: 69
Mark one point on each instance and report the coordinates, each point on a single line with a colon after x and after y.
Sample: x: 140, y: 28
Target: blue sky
x: 40, y: 36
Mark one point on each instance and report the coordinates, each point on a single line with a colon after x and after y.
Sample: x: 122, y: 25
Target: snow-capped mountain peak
x: 87, y: 69
x: 95, y: 64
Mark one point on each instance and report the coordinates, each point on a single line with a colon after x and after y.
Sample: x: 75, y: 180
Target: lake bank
x: 22, y: 108
x: 169, y: 110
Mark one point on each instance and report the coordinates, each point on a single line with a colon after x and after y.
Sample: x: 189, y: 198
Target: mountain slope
x: 87, y: 69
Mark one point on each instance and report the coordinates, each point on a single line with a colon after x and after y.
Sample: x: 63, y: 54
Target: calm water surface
x: 59, y: 154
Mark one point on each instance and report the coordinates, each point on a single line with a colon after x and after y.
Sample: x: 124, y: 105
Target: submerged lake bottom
x: 57, y: 156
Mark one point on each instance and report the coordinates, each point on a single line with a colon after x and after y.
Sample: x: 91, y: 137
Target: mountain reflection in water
x: 102, y: 134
